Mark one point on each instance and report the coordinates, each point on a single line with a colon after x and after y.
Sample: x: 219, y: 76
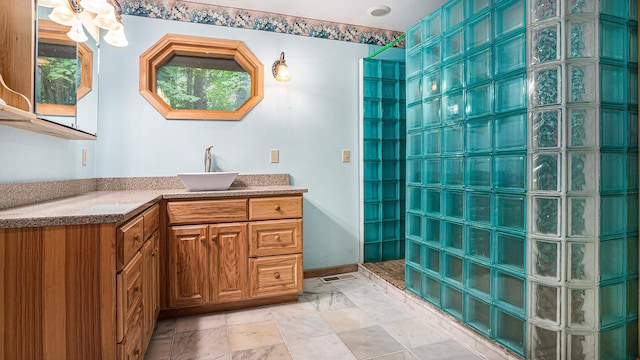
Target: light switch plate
x: 346, y: 156
x: 84, y: 157
x: 275, y: 155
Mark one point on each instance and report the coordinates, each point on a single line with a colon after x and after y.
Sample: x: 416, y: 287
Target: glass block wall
x: 383, y: 129
x: 522, y: 172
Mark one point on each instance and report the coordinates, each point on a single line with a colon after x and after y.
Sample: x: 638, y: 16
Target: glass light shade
x: 63, y: 15
x: 48, y: 3
x: 77, y: 33
x: 282, y: 73
x: 116, y: 38
x: 107, y: 21
x: 96, y: 6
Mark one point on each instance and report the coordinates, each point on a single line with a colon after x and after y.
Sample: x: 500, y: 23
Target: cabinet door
x: 187, y: 272
x: 150, y: 289
x: 228, y: 261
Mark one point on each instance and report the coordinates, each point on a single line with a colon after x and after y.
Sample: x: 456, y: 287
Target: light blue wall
x: 310, y: 120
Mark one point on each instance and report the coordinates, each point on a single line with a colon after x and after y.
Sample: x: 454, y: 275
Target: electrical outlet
x: 275, y: 155
x: 346, y: 156
x: 84, y: 157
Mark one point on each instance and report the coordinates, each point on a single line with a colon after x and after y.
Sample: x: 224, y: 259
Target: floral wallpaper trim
x: 248, y: 19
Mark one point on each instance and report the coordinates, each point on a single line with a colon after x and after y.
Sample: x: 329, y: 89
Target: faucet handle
x: 207, y: 159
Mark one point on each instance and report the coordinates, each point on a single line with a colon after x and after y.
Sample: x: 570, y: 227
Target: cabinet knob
x: 277, y: 207
x: 214, y: 238
x: 276, y: 238
x: 276, y: 275
x: 136, y: 237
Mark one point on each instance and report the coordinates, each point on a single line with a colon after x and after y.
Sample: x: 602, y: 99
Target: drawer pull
x: 277, y: 207
x: 214, y: 238
x: 276, y: 238
x: 276, y: 275
x: 136, y: 237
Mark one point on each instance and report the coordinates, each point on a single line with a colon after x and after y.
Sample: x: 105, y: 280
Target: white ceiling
x: 404, y: 13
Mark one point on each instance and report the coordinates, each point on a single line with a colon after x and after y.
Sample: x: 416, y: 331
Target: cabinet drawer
x: 151, y: 220
x: 275, y: 208
x: 206, y: 211
x: 131, y: 346
x: 130, y: 239
x: 276, y: 275
x: 129, y: 296
x: 275, y: 237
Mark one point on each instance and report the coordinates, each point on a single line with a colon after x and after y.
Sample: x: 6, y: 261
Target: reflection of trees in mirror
x: 58, y: 74
x: 203, y: 88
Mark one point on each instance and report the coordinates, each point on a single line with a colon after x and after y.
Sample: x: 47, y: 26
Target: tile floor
x: 356, y: 318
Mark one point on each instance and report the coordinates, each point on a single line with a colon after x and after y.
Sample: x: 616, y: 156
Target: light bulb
x: 77, y: 33
x: 283, y: 73
x: 96, y: 6
x: 62, y: 15
x: 116, y: 38
x: 107, y: 21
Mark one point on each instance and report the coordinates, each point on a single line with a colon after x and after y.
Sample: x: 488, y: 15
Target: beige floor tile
x: 302, y: 327
x: 445, y: 350
x: 273, y: 352
x: 320, y: 348
x: 402, y: 355
x: 165, y: 329
x: 159, y: 349
x: 253, y: 335
x: 370, y: 342
x: 247, y: 316
x: 415, y: 332
x: 292, y: 309
x: 328, y: 301
x: 209, y: 344
x: 348, y: 319
x: 200, y: 322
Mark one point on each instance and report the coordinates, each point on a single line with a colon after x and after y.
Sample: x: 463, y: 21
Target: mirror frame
x: 53, y: 33
x: 172, y: 44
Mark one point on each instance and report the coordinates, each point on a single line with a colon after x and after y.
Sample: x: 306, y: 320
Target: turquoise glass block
x: 453, y: 171
x: 431, y: 55
x: 546, y: 43
x: 414, y: 36
x: 390, y: 250
x: 432, y: 201
x: 452, y: 268
x: 633, y: 43
x: 510, y: 172
x: 511, y: 132
x: 372, y: 108
x: 581, y: 82
x: 614, y: 165
x: 372, y: 232
x: 371, y: 190
x: 581, y: 37
x: 509, y: 330
x: 545, y: 259
x: 453, y: 107
x: 614, y: 8
x: 390, y: 170
x: 478, y: 67
x: 477, y: 6
x: 544, y: 9
x: 633, y: 129
x: 582, y: 262
x: 431, y: 26
x: 544, y: 343
x: 390, y: 129
x: 581, y: 127
x: 611, y: 77
x: 414, y: 116
x: 390, y: 210
x: 432, y: 141
x: 613, y: 40
x: 391, y: 69
x: 478, y: 314
x: 479, y: 101
x: 612, y: 343
x: 452, y: 14
x: 370, y: 67
x: 613, y: 128
x: 546, y: 215
x: 432, y: 171
x: 581, y: 211
x: 511, y: 94
x: 452, y: 301
x: 414, y: 226
x: 510, y: 212
x: 633, y: 10
x: 454, y: 204
x: 546, y: 171
x: 432, y: 112
x: 389, y: 91
x: 432, y: 260
x: 633, y: 85
x: 478, y: 31
x: 414, y: 91
x: 510, y: 291
x: 479, y: 207
x: 452, y: 44
x: 546, y: 86
x: 372, y: 170
x: 371, y: 87
x: 390, y: 109
x: 545, y: 301
x: 453, y: 234
x: 432, y: 231
x: 413, y: 279
x: 478, y: 171
x: 479, y: 279
x: 582, y: 314
x: 431, y: 290
x: 453, y: 76
x: 414, y: 171
x: 372, y: 211
x: 432, y: 85
x: 613, y: 259
x: 613, y: 217
x: 510, y: 251
x: 371, y: 129
x: 479, y: 136
x: 508, y: 16
x: 632, y: 213
x: 546, y: 128
x: 612, y: 304
x: 372, y: 252
x: 632, y: 256
x: 453, y: 139
x: 510, y: 54
x: 632, y: 298
x: 372, y: 150
x: 414, y: 198
x: 479, y: 243
x: 389, y: 150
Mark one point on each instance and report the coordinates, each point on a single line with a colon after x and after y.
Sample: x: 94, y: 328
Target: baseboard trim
x: 333, y: 270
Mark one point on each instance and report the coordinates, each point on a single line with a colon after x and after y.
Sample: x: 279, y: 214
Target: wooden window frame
x: 184, y: 45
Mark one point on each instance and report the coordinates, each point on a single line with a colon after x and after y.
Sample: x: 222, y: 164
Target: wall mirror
x: 188, y: 77
x: 66, y: 76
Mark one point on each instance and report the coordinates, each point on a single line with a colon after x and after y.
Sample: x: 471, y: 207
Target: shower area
x: 500, y: 170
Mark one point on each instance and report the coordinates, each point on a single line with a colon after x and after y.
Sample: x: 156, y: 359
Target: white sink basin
x: 209, y: 181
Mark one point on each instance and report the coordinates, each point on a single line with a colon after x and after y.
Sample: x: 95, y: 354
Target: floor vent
x: 334, y: 278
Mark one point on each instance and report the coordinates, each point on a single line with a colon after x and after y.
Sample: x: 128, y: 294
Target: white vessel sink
x: 208, y: 181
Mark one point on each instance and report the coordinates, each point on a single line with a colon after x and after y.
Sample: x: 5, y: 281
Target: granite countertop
x: 117, y: 206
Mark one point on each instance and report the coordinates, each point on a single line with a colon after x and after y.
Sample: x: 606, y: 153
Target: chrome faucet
x: 208, y: 160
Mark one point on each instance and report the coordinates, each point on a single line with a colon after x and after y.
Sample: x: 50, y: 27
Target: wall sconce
x: 107, y: 16
x: 279, y: 69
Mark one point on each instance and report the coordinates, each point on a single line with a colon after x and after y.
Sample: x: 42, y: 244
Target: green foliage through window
x: 59, y: 80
